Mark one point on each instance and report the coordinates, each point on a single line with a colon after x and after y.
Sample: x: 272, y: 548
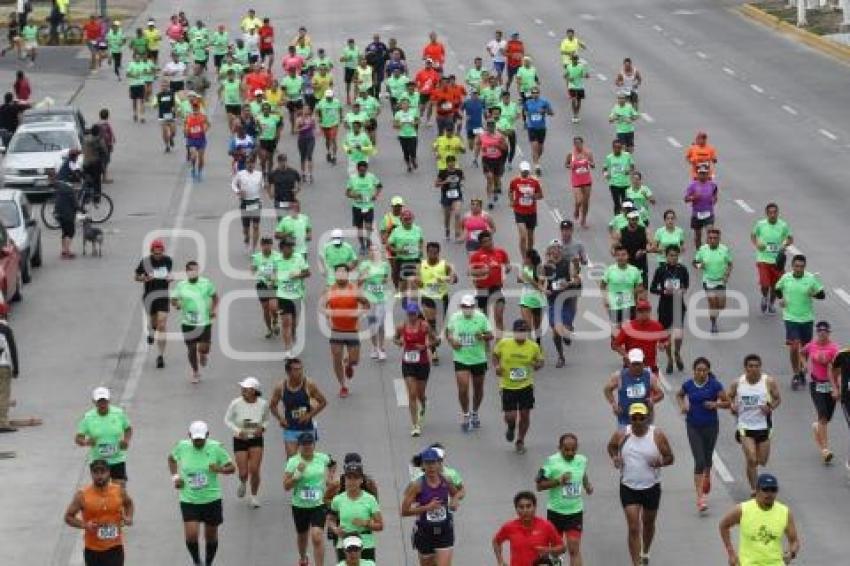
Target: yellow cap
x: 638, y: 409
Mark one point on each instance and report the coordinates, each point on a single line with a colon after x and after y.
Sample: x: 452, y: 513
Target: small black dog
x: 93, y: 235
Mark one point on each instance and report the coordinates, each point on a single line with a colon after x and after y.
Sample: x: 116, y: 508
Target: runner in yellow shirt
x: 570, y: 45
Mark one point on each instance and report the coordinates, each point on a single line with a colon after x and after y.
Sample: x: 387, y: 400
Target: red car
x: 10, y: 268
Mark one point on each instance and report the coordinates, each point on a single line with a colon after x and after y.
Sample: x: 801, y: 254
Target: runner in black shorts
x: 154, y: 271
x: 483, y: 297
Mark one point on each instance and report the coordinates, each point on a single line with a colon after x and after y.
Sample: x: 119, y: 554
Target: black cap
x: 823, y: 325
x: 566, y: 223
x: 99, y: 463
x: 287, y: 241
x: 306, y: 438
x: 266, y: 240
x: 352, y: 457
x: 353, y: 468
x: 520, y: 325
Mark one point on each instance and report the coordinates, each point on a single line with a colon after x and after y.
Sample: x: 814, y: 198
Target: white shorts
x: 30, y: 44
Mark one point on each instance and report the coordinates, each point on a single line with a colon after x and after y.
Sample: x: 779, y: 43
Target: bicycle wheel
x: 48, y: 217
x: 98, y: 209
x: 73, y: 35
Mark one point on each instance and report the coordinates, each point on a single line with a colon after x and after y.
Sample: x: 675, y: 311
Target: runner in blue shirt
x: 536, y: 110
x: 473, y: 111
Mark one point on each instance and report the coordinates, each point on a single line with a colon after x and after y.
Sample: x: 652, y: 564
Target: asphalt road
x: 776, y: 112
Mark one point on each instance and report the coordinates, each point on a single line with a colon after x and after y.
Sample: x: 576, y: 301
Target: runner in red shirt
x: 92, y: 32
x: 256, y: 79
x: 441, y: 100
x: 426, y: 81
x: 434, y: 50
x: 525, y: 191
x: 529, y: 536
x: 266, y: 33
x: 514, y: 52
x: 642, y: 333
x: 486, y: 267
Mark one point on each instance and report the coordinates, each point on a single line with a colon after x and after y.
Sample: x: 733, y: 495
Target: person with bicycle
x: 64, y: 204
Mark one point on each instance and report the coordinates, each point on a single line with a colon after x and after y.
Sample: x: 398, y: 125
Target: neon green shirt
x: 527, y: 78
x: 623, y: 118
x: 621, y: 284
x: 797, y: 292
x: 772, y: 236
x: 195, y: 301
x: 200, y: 485
x: 365, y: 187
x: 714, y: 263
x: 468, y: 332
x: 618, y: 167
x: 566, y: 499
x: 264, y: 265
x: 364, y: 508
x: 309, y: 490
x: 269, y: 126
x: 374, y: 274
x: 329, y: 112
x: 407, y: 122
x: 288, y: 287
x: 406, y: 242
x: 106, y: 431
x: 296, y: 227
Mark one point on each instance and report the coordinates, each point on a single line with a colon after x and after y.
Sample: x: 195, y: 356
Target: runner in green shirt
x: 621, y: 283
x: 269, y: 126
x: 617, y: 171
x: 406, y: 240
x: 770, y: 236
x: 240, y: 54
x: 197, y: 299
x: 136, y: 72
x: 357, y: 146
x: 306, y: 475
x: 296, y: 225
x: 623, y: 116
x: 350, y: 57
x: 263, y: 266
x: 195, y: 464
x: 373, y: 275
x: 231, y: 64
x: 641, y: 196
x: 574, y: 73
x: 363, y: 188
x: 139, y: 44
x: 291, y: 270
x: 564, y: 477
x: 475, y: 75
x: 329, y: 110
x: 219, y: 41
x: 115, y: 41
x: 526, y: 78
x: 796, y: 292
x: 715, y: 261
x: 396, y: 86
x: 335, y: 253
x: 491, y: 94
x: 199, y: 50
x: 406, y: 122
x: 668, y: 235
x: 107, y: 431
x: 355, y: 513
x: 468, y: 332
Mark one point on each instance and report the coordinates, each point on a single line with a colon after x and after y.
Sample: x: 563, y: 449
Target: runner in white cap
x: 248, y: 418
x: 107, y: 431
x: 468, y: 333
x: 353, y: 547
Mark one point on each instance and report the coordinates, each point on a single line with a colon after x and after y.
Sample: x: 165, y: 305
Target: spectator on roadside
x: 95, y: 155
x: 22, y: 88
x: 8, y: 368
x: 10, y: 116
x: 65, y: 203
x: 107, y: 135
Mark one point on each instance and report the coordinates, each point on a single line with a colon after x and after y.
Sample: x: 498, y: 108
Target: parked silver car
x: 16, y: 215
x: 33, y: 150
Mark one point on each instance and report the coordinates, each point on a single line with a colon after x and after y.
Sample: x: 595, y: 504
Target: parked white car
x: 16, y: 215
x: 33, y: 150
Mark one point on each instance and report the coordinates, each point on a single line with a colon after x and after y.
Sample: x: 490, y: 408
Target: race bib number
x: 518, y: 374
x: 249, y: 424
x: 703, y: 214
x: 535, y: 117
x: 452, y: 193
x: 673, y: 284
x: 491, y: 152
x: 411, y: 249
x: 771, y: 248
x: 620, y: 298
x: 446, y: 105
x: 437, y: 515
x: 467, y: 340
x: 107, y: 450
x: 195, y: 130
x: 167, y: 115
x: 160, y: 273
x: 432, y: 289
x: 823, y: 387
x: 309, y: 494
x: 558, y: 284
x: 617, y: 169
x: 411, y: 356
x: 197, y: 480
x: 750, y: 400
x: 636, y: 391
x: 473, y: 235
x: 192, y: 317
x: 296, y: 414
x: 250, y: 207
x: 375, y: 288
x: 526, y: 200
x: 581, y: 170
x: 108, y: 532
x: 289, y: 286
x: 571, y: 490
x: 267, y: 269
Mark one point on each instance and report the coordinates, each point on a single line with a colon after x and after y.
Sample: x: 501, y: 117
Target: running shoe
x: 827, y: 456
x: 382, y: 355
x: 240, y: 490
x: 343, y: 391
x: 465, y: 426
x: 520, y: 447
x: 255, y: 502
x: 150, y: 338
x: 160, y: 363
x: 510, y: 433
x: 415, y: 431
x: 475, y: 420
x: 764, y: 305
x: 373, y: 354
x: 702, y: 504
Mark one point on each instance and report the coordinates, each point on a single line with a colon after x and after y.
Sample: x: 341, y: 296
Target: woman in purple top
x: 305, y: 124
x: 702, y: 194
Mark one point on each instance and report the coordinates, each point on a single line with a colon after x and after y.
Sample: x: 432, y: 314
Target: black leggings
x: 618, y: 195
x: 702, y: 440
x: 305, y: 148
x: 116, y: 64
x: 408, y: 148
x: 511, y: 145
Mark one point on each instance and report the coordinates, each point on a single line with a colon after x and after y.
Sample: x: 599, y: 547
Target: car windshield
x: 41, y: 117
x: 9, y: 215
x: 36, y: 142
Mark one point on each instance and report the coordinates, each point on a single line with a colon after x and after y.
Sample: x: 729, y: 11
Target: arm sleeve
x: 655, y: 285
x: 230, y: 417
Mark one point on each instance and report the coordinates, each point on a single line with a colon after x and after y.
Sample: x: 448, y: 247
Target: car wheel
x: 36, y: 257
x: 26, y: 277
x: 18, y: 296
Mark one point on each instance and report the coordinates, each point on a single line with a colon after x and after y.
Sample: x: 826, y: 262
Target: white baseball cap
x: 198, y: 429
x: 635, y: 355
x: 329, y: 93
x: 250, y: 382
x: 100, y: 393
x: 351, y: 542
x: 336, y: 234
x: 633, y: 214
x: 467, y: 301
x: 258, y: 91
x: 525, y: 166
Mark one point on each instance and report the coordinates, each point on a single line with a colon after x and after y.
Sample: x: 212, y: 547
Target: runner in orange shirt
x: 701, y: 152
x: 344, y: 303
x: 514, y: 52
x: 195, y: 129
x: 426, y: 79
x: 441, y: 101
x: 435, y: 51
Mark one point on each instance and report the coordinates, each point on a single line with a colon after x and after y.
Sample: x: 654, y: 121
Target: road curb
x: 815, y: 41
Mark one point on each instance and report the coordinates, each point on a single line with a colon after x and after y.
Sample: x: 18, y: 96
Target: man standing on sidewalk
x: 8, y: 368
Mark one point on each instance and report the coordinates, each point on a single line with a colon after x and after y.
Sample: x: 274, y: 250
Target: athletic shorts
x: 714, y: 289
x: 477, y: 370
x: 419, y: 372
x: 137, y: 92
x: 648, y: 498
x: 428, y: 539
x: 633, y: 97
x: 568, y: 307
x: 530, y: 220
x: 69, y: 228
x: 424, y: 98
x: 799, y: 332
x: 700, y: 223
x: 330, y: 132
x: 233, y: 109
x: 571, y: 525
x: 243, y: 444
x: 768, y: 273
x: 518, y: 399
x: 268, y: 145
x: 196, y: 334
x: 759, y: 436
x: 112, y: 557
x: 250, y: 216
x: 824, y: 403
x: 349, y: 75
x: 207, y: 513
x: 294, y: 105
x: 536, y: 135
x: 370, y: 125
x: 287, y: 307
x: 291, y: 435
x: 196, y: 143
x: 576, y: 93
x: 494, y: 166
x: 619, y: 316
x: 512, y: 71
x: 350, y: 339
x: 118, y: 471
x: 176, y: 86
x: 360, y: 217
x: 484, y: 296
x: 306, y: 517
x: 264, y: 292
x: 405, y: 267
x: 266, y: 51
x: 498, y: 67
x: 156, y: 304
x: 217, y: 59
x: 626, y: 138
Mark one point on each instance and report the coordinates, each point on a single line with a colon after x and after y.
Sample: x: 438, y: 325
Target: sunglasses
x: 637, y: 418
x: 769, y: 489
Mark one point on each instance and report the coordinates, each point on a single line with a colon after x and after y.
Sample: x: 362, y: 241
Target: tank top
x: 295, y: 404
x: 306, y: 129
x: 434, y: 285
x: 638, y: 452
x: 632, y: 390
x: 104, y: 507
x: 491, y: 145
x: 629, y: 80
x: 580, y: 170
x: 415, y: 343
x: 441, y: 515
x: 761, y: 532
x: 195, y: 126
x: 751, y: 398
x: 474, y: 224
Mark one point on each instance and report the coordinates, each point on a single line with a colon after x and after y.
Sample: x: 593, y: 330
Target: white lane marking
x: 757, y: 88
x: 743, y: 204
x: 701, y: 55
x: 721, y: 469
x: 601, y: 77
x: 647, y: 117
x: 845, y: 296
x: 794, y: 250
x: 673, y: 141
x: 678, y: 41
x: 828, y: 134
x: 400, y: 392
x: 789, y: 109
x: 664, y: 383
x: 639, y: 16
x: 729, y: 71
x: 550, y: 33
x: 656, y: 27
x: 461, y: 66
x: 538, y: 21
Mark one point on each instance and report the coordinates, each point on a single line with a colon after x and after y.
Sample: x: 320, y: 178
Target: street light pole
x: 801, y: 14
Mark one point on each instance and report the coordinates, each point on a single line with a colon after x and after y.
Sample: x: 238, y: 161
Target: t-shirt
x: 623, y: 118
x: 200, y: 485
x: 702, y: 205
x: 820, y: 356
x: 565, y: 499
x: 284, y: 182
x: 106, y: 431
x: 342, y: 308
x: 473, y: 78
x: 665, y: 238
x: 621, y: 284
x: 697, y: 155
x: 296, y: 227
x: 446, y: 146
x: 406, y: 242
x: 136, y: 73
x: 524, y: 541
x: 698, y: 395
x: 640, y: 197
x: 195, y: 301
x: 797, y: 292
x: 115, y: 40
x: 453, y: 187
x: 350, y: 56
x: 336, y: 255
x: 407, y: 122
x: 772, y: 235
x: 575, y: 75
x: 292, y: 85
x: 644, y: 335
x: 330, y: 112
x: 526, y: 78
x: 618, y: 167
x: 397, y: 85
x: 289, y: 287
x: 159, y: 269
x: 269, y: 126
x: 219, y: 42
x: 264, y: 265
x: 494, y: 260
x: 466, y: 330
x: 536, y: 110
x: 374, y: 275
x: 369, y: 105
x: 358, y: 146
x: 365, y: 188
x: 714, y: 263
x: 517, y: 361
x: 523, y: 191
x: 309, y: 490
x: 490, y: 96
x: 473, y: 109
x: 364, y: 508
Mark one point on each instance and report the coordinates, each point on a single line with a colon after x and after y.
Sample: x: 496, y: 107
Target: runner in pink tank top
x: 475, y: 221
x: 580, y: 162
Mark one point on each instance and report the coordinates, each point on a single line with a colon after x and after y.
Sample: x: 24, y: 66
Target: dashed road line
x: 844, y: 295
x: 601, y: 77
x: 656, y: 27
x: 828, y: 134
x: 674, y: 142
x: 678, y: 41
x: 729, y: 71
x: 743, y: 204
x: 400, y: 392
x: 647, y: 117
x: 639, y: 16
x: 701, y: 55
x: 721, y: 469
x: 789, y: 109
x: 550, y: 33
x: 538, y: 21
x: 757, y: 88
